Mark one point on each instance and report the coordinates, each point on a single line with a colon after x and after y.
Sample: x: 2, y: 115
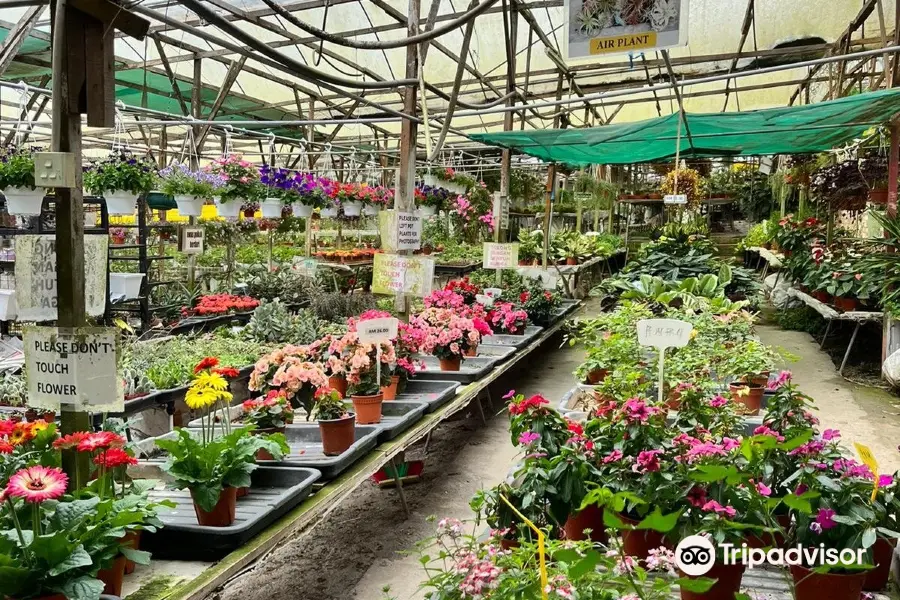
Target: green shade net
x: 790, y: 130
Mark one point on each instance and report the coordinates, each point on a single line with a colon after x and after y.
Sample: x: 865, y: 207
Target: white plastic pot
x: 302, y: 210
x: 230, y: 209
x: 427, y: 211
x: 189, y: 206
x: 22, y: 201
x: 120, y: 202
x: 7, y: 305
x: 352, y: 209
x: 271, y: 208
x: 329, y: 211
x: 371, y: 210
x: 128, y: 284
x: 430, y: 180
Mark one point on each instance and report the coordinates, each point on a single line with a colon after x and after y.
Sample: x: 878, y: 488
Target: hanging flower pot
x: 112, y: 576
x: 329, y: 212
x: 302, y: 210
x: 882, y: 555
x: 127, y: 284
x: 371, y: 210
x: 430, y: 180
x: 222, y: 514
x: 230, y: 209
x: 427, y: 211
x: 390, y: 391
x: 368, y: 408
x: 22, y: 201
x: 809, y: 585
x: 450, y: 364
x: 120, y: 202
x: 749, y: 395
x: 337, y: 434
x: 339, y: 384
x: 728, y: 583
x: 189, y: 206
x: 271, y: 208
x: 352, y: 208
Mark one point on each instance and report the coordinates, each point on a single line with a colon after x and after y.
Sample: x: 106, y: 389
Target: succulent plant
x: 136, y: 383
x: 13, y: 389
x: 272, y: 322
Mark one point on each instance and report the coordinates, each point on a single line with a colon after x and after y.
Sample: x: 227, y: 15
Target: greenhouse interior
x: 420, y: 299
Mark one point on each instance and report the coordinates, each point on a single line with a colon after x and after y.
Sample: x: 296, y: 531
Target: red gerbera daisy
x: 37, y: 484
x: 67, y: 442
x: 6, y: 427
x: 6, y: 447
x: 114, y: 457
x: 100, y: 440
x: 207, y: 363
x: 227, y: 372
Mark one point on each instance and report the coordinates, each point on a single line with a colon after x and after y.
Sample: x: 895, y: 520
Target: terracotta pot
x: 426, y: 250
x: 590, y: 518
x: 878, y: 196
x: 727, y: 585
x: 263, y: 454
x: 768, y: 539
x: 222, y: 514
x: 882, y: 554
x: 752, y: 400
x: 337, y: 434
x: 242, y: 491
x: 339, y: 384
x: 472, y: 352
x: 132, y: 539
x: 673, y: 400
x: 846, y: 304
x: 596, y: 376
x: 450, y: 364
x: 112, y: 577
x: 762, y: 380
x: 368, y: 408
x: 809, y: 585
x: 572, y: 261
x: 524, y: 263
x: 509, y: 544
x: 118, y: 240
x: 639, y: 542
x: 49, y: 416
x: 821, y: 296
x: 390, y: 391
x: 31, y: 415
x: 788, y: 253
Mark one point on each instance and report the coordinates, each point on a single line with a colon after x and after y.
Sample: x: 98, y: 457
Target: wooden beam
x: 749, y: 15
x: 17, y: 36
x: 114, y: 15
x: 230, y: 78
x: 171, y: 75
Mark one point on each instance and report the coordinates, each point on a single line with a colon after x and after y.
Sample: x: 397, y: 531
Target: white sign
x: 192, y: 242
x: 36, y: 292
x: 549, y: 280
x: 662, y: 334
x: 376, y: 331
x: 630, y: 26
x: 485, y: 301
x: 73, y: 367
x: 501, y: 256
x: 395, y: 274
x: 409, y: 231
x: 675, y: 199
x: 305, y: 266
x: 501, y: 212
x: 493, y: 292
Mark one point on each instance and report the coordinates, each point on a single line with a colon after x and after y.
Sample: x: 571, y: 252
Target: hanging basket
x: 22, y: 201
x: 878, y: 196
x: 329, y: 211
x: 189, y: 206
x: 371, y: 210
x: 271, y: 208
x: 427, y: 211
x: 127, y: 284
x: 230, y: 209
x: 352, y: 209
x: 430, y: 180
x: 7, y: 305
x: 120, y: 202
x: 301, y: 210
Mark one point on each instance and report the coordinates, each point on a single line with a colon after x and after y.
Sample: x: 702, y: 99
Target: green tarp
x: 790, y: 130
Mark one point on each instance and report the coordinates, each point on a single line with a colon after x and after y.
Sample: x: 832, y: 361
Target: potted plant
x: 118, y: 235
x: 310, y: 195
x: 504, y: 317
x: 365, y: 376
x: 268, y: 415
x: 281, y: 190
x: 17, y: 182
x: 241, y: 181
x: 874, y: 171
x: 448, y: 336
x: 214, y: 467
x: 189, y: 188
x: 120, y: 179
x: 293, y: 371
x: 430, y: 200
x: 336, y: 425
x: 540, y: 304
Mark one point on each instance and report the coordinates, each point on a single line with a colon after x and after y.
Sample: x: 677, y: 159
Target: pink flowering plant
x: 359, y: 363
x: 293, y: 372
x: 505, y: 317
x: 448, y: 335
x: 700, y: 406
x: 241, y: 177
x: 533, y: 423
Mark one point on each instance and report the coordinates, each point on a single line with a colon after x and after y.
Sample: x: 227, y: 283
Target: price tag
x: 485, y: 301
x: 662, y: 334
x: 675, y: 199
x: 376, y: 331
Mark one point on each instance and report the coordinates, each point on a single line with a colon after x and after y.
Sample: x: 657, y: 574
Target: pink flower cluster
x: 505, y: 317
x: 637, y: 409
x: 535, y: 402
x: 480, y: 574
x: 446, y: 333
x: 289, y: 369
x: 444, y: 299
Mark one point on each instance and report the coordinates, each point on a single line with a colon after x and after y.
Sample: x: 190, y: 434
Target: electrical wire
x: 380, y: 45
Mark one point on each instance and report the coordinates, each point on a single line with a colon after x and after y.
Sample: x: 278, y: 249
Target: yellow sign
x: 395, y: 274
x: 623, y: 43
x: 542, y: 553
x: 865, y: 455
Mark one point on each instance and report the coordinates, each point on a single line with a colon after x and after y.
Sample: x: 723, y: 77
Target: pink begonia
x: 763, y: 489
x: 713, y: 506
x: 718, y: 401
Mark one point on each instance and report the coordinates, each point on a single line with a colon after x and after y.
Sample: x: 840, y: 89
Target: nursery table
x: 350, y: 267
x: 859, y: 317
x: 772, y: 260
x: 569, y: 274
x: 315, y: 507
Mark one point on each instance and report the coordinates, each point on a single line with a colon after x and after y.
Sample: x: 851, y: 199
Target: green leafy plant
x: 120, y: 172
x: 16, y: 168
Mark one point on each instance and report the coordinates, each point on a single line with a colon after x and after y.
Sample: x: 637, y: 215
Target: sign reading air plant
x: 623, y: 26
x: 662, y: 334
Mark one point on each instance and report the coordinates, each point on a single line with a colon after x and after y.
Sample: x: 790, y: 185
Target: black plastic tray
x: 273, y: 493
x: 305, y: 441
x: 470, y: 370
x: 397, y: 416
x: 498, y: 353
x: 517, y: 341
x: 435, y: 393
x: 159, y: 397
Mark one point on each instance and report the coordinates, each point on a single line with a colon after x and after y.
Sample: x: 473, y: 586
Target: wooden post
x: 548, y: 199
x: 891, y: 336
x: 194, y: 157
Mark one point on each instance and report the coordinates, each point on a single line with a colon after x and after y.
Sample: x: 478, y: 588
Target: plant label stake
x: 542, y: 554
x: 662, y: 334
x: 378, y: 332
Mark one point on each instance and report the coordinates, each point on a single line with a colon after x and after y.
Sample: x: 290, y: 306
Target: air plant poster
x: 597, y: 27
